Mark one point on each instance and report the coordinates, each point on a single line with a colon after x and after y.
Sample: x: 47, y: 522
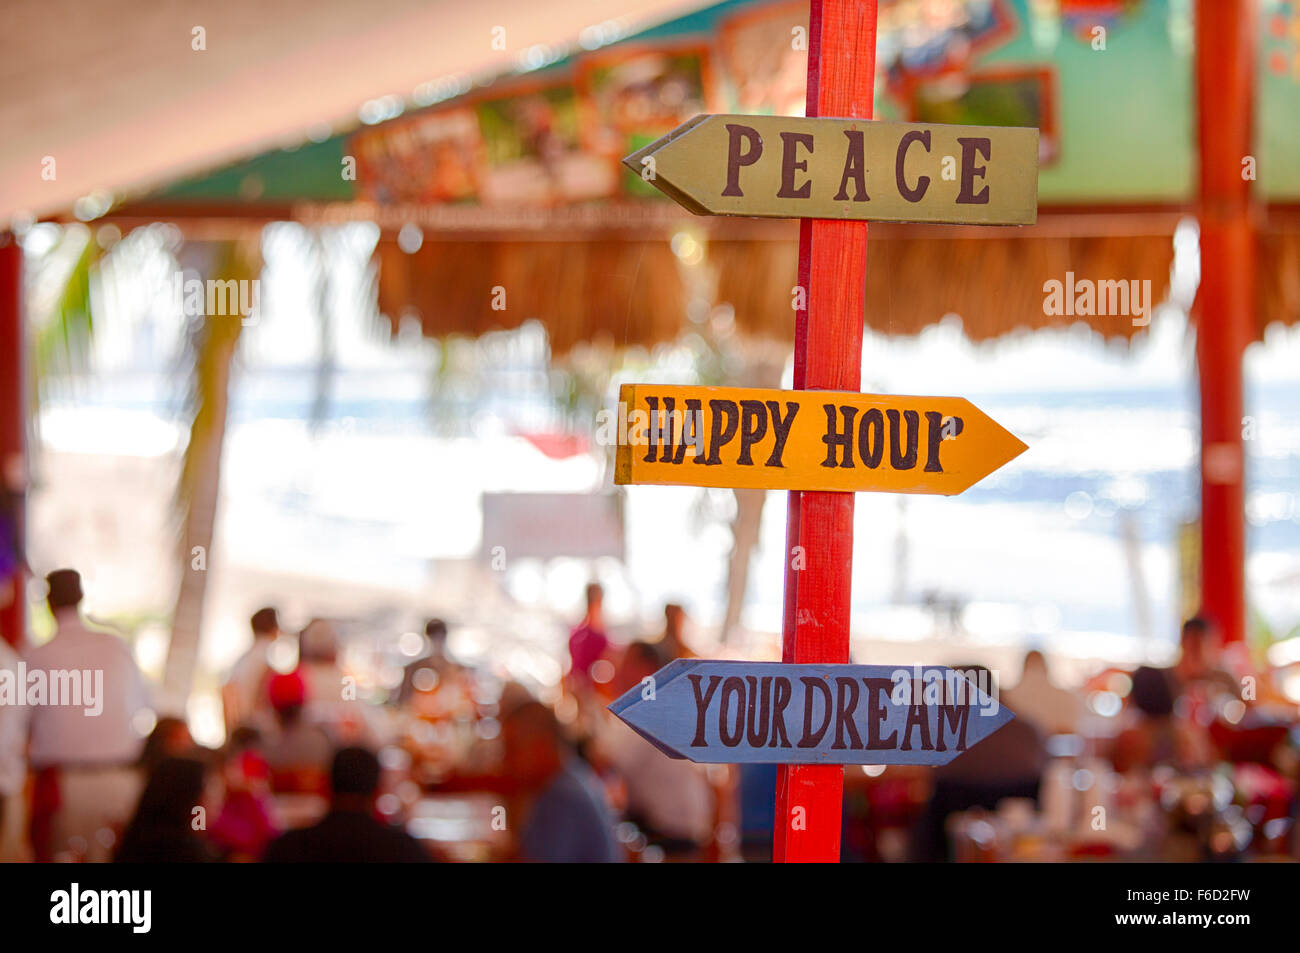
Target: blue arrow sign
x: 733, y: 712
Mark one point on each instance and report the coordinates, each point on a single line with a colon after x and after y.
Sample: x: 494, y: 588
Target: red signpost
x: 13, y: 423
x: 827, y: 356
x: 1225, y: 77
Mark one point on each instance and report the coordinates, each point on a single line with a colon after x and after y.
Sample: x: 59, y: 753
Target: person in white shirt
x: 1036, y: 698
x: 83, y: 738
x: 244, y: 696
x: 332, y: 700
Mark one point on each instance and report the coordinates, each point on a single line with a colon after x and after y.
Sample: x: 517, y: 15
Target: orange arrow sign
x: 806, y: 440
x: 783, y: 167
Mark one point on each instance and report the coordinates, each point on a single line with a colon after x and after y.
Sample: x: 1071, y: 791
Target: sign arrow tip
x: 633, y: 161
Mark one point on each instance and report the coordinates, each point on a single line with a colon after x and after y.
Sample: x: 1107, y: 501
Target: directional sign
x: 805, y: 440
x: 781, y: 167
x: 748, y: 712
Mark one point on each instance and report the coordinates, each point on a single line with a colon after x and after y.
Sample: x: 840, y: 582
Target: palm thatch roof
x: 622, y: 283
x: 630, y: 290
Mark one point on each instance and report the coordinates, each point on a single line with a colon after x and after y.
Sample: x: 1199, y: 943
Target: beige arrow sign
x: 805, y: 440
x: 783, y: 167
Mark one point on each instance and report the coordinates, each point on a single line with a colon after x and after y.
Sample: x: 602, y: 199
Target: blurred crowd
x: 1195, y: 761
x: 1152, y: 764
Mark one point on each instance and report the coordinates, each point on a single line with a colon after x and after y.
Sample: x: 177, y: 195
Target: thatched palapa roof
x: 629, y: 290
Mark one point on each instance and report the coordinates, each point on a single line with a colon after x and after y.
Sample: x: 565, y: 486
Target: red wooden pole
x: 827, y: 356
x: 1225, y: 72
x: 13, y: 430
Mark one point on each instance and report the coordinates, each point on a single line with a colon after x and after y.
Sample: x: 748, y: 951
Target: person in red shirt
x: 588, y: 642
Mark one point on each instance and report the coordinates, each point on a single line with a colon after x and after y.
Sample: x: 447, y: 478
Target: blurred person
x: 13, y: 761
x: 247, y: 821
x: 435, y: 659
x: 1151, y: 734
x: 298, y: 752
x: 170, y: 738
x: 566, y: 817
x: 350, y: 832
x: 757, y: 804
x: 84, y: 763
x: 243, y: 696
x: 162, y: 831
x: 318, y: 651
x: 1008, y: 763
x: 1197, y: 671
x: 669, y: 799
x: 332, y: 703
x: 672, y: 644
x: 436, y: 674
x: 1149, y: 738
x: 1053, y: 710
x: 513, y: 694
x: 588, y: 642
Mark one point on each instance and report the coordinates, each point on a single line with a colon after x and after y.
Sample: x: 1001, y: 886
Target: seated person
x: 347, y: 719
x: 436, y: 661
x: 170, y: 738
x: 1008, y: 763
x: 246, y: 823
x: 350, y: 833
x: 757, y: 797
x: 1197, y: 671
x: 162, y: 830
x: 668, y: 799
x: 298, y: 753
x: 1036, y: 698
x: 1152, y: 735
x: 566, y: 815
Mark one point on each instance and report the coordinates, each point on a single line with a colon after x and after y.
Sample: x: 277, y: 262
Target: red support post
x: 827, y: 356
x: 13, y: 433
x: 1225, y: 74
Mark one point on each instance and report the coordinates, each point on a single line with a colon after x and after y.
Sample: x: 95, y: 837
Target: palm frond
x: 63, y: 320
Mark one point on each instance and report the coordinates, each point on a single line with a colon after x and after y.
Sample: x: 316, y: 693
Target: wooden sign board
x: 770, y: 712
x: 805, y: 440
x: 782, y: 167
